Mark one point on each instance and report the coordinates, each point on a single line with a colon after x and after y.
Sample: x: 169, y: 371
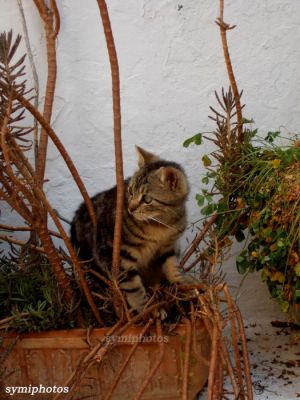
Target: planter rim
x: 96, y: 332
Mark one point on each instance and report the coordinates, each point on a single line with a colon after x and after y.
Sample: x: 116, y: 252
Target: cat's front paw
x: 137, y: 304
x: 161, y: 314
x: 187, y: 279
x: 190, y: 280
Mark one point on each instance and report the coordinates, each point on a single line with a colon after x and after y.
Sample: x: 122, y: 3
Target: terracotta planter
x: 48, y: 359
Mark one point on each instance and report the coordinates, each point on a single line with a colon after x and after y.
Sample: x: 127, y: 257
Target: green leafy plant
x: 254, y: 188
x: 32, y: 298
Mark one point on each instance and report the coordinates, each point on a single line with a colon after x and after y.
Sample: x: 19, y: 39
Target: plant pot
x: 48, y: 359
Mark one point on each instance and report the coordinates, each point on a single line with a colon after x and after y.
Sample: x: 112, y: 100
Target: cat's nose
x: 132, y: 206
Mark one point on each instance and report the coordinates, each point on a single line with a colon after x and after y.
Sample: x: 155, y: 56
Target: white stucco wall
x: 170, y: 62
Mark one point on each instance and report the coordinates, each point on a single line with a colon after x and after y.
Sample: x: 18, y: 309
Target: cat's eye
x: 147, y: 199
x: 130, y: 191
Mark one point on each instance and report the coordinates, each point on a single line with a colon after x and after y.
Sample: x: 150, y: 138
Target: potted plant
x: 252, y: 193
x: 254, y: 190
x: 54, y: 339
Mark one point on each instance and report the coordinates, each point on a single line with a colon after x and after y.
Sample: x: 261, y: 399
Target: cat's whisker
x: 163, y: 223
x: 171, y: 210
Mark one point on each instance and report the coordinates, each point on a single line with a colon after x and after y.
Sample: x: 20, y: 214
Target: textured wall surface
x: 170, y: 62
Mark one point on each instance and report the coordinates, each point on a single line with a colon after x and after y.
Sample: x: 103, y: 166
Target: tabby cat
x: 154, y: 217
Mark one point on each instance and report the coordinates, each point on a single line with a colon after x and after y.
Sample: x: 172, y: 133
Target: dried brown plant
x: 22, y: 188
x: 19, y: 187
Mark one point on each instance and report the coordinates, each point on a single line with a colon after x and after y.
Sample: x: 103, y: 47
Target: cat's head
x: 158, y: 190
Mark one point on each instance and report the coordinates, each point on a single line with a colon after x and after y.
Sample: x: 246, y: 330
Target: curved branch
x: 223, y: 29
x: 117, y: 133
x: 21, y: 243
x: 24, y: 229
x: 72, y: 254
x: 56, y: 18
x: 35, y: 77
x: 63, y: 153
x: 187, y: 355
x: 198, y: 239
x: 126, y: 361
x: 156, y: 364
x: 47, y: 17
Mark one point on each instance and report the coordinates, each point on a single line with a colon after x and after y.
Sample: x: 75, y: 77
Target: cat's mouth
x: 140, y: 216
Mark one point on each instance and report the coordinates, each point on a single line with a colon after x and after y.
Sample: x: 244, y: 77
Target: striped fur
x: 154, y: 217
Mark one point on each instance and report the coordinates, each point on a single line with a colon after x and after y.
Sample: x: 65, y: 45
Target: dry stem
x: 198, y: 239
x: 187, y: 353
x: 35, y: 78
x: 232, y: 316
x: 63, y: 153
x: 155, y: 365
x: 117, y: 133
x: 126, y: 361
x: 223, y: 29
x: 47, y: 16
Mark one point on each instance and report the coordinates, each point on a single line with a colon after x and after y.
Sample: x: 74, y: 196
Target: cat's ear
x: 144, y: 157
x: 169, y: 176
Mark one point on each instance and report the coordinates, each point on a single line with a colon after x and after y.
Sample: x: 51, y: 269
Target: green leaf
x: 222, y: 207
x: 248, y: 121
x: 196, y: 139
x: 200, y: 200
x: 297, y: 269
x: 242, y: 264
x: 209, y: 209
x: 290, y: 155
x: 206, y: 160
x: 271, y: 136
x: 255, y: 227
x: 205, y: 180
x: 209, y: 198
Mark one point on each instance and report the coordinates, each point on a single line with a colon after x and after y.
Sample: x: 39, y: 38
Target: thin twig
x: 187, y: 354
x: 63, y: 153
x: 234, y: 337
x: 74, y: 379
x: 223, y: 29
x: 213, y: 361
x: 97, y: 353
x: 245, y: 355
x: 18, y: 242
x: 56, y: 18
x: 126, y: 361
x: 6, y: 321
x: 35, y: 77
x: 155, y: 365
x: 200, y: 236
x: 24, y: 229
